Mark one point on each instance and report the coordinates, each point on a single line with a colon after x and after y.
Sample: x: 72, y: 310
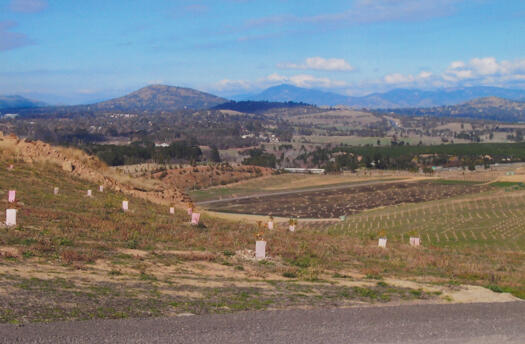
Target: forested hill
x: 489, y: 108
x: 258, y: 107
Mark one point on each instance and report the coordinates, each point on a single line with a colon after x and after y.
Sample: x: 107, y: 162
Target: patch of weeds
x: 28, y: 242
x: 228, y: 253
x: 448, y: 298
x: 366, y: 292
x: 27, y: 254
x: 374, y: 276
x: 64, y: 242
x: 147, y: 277
x: 416, y: 292
x: 115, y: 272
x: 239, y: 268
x: 302, y: 262
x: 497, y: 289
x: 382, y: 284
x: 265, y: 262
x: 338, y: 275
x: 132, y: 244
x: 289, y: 274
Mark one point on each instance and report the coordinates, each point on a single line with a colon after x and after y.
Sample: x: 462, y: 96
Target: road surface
x: 502, y: 323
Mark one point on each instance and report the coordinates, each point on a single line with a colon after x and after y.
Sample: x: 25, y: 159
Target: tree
x: 215, y: 155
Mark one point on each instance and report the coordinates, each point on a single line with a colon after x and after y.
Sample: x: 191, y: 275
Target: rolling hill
x: 490, y: 108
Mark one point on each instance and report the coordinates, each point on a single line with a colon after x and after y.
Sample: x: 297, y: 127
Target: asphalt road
x: 501, y: 323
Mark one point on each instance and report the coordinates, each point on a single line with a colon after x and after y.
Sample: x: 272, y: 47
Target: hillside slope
x: 89, y: 168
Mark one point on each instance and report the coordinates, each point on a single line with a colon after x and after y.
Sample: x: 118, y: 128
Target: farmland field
x: 345, y: 201
x: 285, y: 182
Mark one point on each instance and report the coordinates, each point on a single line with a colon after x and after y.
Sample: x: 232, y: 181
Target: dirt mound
x: 89, y: 168
x: 188, y: 177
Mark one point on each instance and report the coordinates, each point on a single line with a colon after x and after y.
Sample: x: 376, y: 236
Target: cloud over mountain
x: 319, y: 63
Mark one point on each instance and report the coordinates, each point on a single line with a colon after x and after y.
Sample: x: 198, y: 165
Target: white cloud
x: 484, y: 68
x: 28, y: 6
x: 319, y: 63
x: 308, y: 81
x: 227, y: 84
x: 299, y: 80
x: 398, y: 78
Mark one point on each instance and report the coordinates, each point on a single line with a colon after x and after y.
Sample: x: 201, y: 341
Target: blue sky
x: 79, y: 51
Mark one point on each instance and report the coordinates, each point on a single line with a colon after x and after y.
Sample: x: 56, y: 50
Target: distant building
x: 306, y: 170
x: 162, y: 144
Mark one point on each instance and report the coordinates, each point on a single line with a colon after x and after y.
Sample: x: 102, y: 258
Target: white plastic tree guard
x: 270, y: 225
x: 125, y: 205
x: 260, y: 249
x: 172, y: 210
x: 382, y: 242
x: 291, y: 228
x: 55, y: 191
x: 195, y: 217
x: 415, y: 241
x: 12, y: 196
x: 89, y: 193
x: 101, y: 188
x: 10, y: 217
x: 11, y: 167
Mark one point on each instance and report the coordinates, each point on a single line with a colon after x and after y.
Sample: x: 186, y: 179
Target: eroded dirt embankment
x: 89, y: 168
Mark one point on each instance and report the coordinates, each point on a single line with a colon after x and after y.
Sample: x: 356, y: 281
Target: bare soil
x: 335, y: 203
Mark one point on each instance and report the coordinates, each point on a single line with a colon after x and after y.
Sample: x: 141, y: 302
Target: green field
x: 492, y: 220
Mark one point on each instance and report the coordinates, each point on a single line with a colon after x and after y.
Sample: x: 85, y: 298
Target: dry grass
x: 137, y: 254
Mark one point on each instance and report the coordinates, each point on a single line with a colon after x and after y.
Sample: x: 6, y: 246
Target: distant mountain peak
x: 15, y: 101
x: 157, y: 97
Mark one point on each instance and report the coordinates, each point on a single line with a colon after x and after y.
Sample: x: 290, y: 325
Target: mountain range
x: 397, y: 98
x: 162, y: 98
x: 10, y: 102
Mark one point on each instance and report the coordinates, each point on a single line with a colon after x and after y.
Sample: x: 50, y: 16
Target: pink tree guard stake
x: 125, y: 205
x: 415, y: 241
x: 11, y: 167
x: 55, y: 191
x: 101, y: 188
x: 10, y: 217
x: 12, y: 196
x: 260, y: 249
x: 195, y: 217
x: 172, y: 210
x: 270, y: 225
x: 89, y: 193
